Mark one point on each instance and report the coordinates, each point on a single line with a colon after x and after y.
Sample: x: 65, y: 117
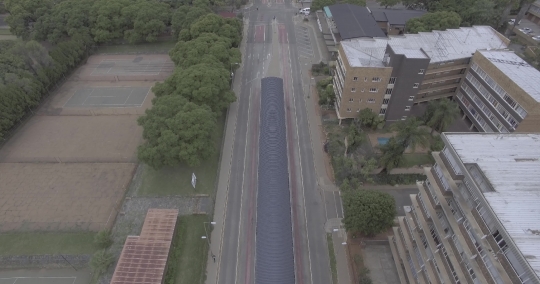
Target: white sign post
x: 193, y: 180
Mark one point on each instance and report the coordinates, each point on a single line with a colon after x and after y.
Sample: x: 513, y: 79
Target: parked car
x: 512, y: 21
x: 537, y: 38
x: 305, y: 11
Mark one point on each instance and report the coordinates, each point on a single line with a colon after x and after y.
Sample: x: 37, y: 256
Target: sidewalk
x: 315, y: 128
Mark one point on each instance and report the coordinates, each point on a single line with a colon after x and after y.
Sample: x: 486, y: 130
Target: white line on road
x: 300, y: 160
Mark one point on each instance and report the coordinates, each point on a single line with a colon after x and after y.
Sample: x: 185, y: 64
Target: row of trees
x: 28, y: 71
x: 183, y: 120
x: 103, y: 20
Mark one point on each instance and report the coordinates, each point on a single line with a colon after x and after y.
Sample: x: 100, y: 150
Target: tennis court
x: 45, y: 276
x: 137, y: 66
x: 108, y: 97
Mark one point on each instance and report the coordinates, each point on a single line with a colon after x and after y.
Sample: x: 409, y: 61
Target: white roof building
x: 510, y: 163
x: 439, y: 46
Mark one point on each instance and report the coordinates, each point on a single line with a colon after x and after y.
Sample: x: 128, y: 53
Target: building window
x: 365, y: 79
x: 422, y: 71
x: 388, y: 91
x: 359, y: 100
x: 351, y: 100
x: 416, y: 85
x: 382, y: 111
x: 411, y: 98
x: 404, y: 117
x: 392, y: 80
x: 355, y: 79
x: 407, y: 108
x: 353, y: 90
x: 385, y: 101
x: 376, y: 79
x: 358, y: 110
x: 373, y: 90
x: 371, y: 101
x: 363, y: 90
x: 348, y: 110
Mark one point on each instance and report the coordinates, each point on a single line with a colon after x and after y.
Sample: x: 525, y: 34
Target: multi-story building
x: 413, y: 68
x: 476, y: 218
x: 500, y: 93
x: 533, y: 14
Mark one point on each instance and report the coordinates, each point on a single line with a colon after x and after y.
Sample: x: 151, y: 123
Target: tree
x: 108, y: 23
x: 327, y: 95
x: 203, y: 84
x: 148, y: 19
x: 184, y: 16
x: 66, y: 19
x: 185, y: 54
x: 440, y: 114
x: 368, y: 211
x: 23, y: 14
x: 410, y: 133
x: 319, y: 4
x: 101, y: 260
x: 103, y: 239
x: 176, y: 131
x: 370, y: 119
x: 433, y: 21
x: 355, y: 138
x: 392, y: 154
x: 354, y: 2
x: 212, y: 23
x: 388, y: 3
x: 367, y: 167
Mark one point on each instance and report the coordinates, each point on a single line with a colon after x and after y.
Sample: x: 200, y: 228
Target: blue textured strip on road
x: 274, y: 255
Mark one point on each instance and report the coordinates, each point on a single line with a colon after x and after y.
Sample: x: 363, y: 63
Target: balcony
x: 439, y: 88
x: 443, y: 78
x: 428, y: 97
x: 450, y: 163
x: 429, y: 191
x: 446, y: 68
x: 469, y: 239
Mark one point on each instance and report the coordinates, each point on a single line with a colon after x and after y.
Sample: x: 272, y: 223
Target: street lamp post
x: 207, y: 237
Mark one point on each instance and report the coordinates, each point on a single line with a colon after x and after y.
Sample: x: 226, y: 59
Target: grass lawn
x: 191, y: 251
x: 177, y: 180
x: 410, y: 160
x: 333, y: 266
x: 5, y: 32
x: 154, y: 47
x: 47, y: 243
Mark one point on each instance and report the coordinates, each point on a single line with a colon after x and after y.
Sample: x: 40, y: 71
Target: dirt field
x: 59, y: 196
x: 69, y: 139
x: 68, y: 167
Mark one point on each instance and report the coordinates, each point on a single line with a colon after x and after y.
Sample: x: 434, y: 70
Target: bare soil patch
x: 70, y: 139
x: 61, y: 197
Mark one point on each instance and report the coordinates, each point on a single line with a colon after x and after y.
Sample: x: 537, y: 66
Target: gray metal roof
x: 395, y: 17
x: 274, y: 255
x: 354, y: 21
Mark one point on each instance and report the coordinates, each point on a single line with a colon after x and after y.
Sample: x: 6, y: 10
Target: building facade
x: 500, y: 93
x: 423, y: 67
x: 476, y: 216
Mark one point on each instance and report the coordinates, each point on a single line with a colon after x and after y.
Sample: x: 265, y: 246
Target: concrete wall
x: 406, y: 70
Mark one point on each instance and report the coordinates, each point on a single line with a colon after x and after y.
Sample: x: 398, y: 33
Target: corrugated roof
x: 511, y: 164
x: 274, y: 254
x: 440, y: 46
x: 354, y: 21
x: 519, y: 71
x: 144, y: 258
x: 395, y: 17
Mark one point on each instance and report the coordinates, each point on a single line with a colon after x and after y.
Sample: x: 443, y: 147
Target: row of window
x: 487, y: 112
x: 472, y: 110
x: 374, y: 79
x: 499, y: 90
x: 369, y: 101
x: 371, y: 90
x: 485, y: 93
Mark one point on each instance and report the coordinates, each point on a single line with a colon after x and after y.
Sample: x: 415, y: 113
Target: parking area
x: 380, y: 263
x: 303, y: 42
x: 526, y: 30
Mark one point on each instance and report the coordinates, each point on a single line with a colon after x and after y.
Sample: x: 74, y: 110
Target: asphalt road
x: 271, y: 51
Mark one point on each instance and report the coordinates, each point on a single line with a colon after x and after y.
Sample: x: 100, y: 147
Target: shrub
x: 100, y: 262
x: 103, y: 239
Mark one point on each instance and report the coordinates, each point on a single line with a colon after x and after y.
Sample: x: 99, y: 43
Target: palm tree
x: 410, y: 133
x: 392, y: 154
x: 440, y: 114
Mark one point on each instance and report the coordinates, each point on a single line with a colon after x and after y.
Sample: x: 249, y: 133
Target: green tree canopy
x: 370, y: 119
x: 319, y: 4
x: 410, y: 133
x: 212, y: 23
x: 23, y: 14
x: 369, y: 212
x: 391, y: 154
x: 108, y: 23
x: 440, y: 114
x: 203, y: 84
x: 184, y: 16
x: 66, y: 19
x: 148, y: 19
x: 388, y: 3
x: 176, y: 131
x: 185, y: 54
x: 433, y: 21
